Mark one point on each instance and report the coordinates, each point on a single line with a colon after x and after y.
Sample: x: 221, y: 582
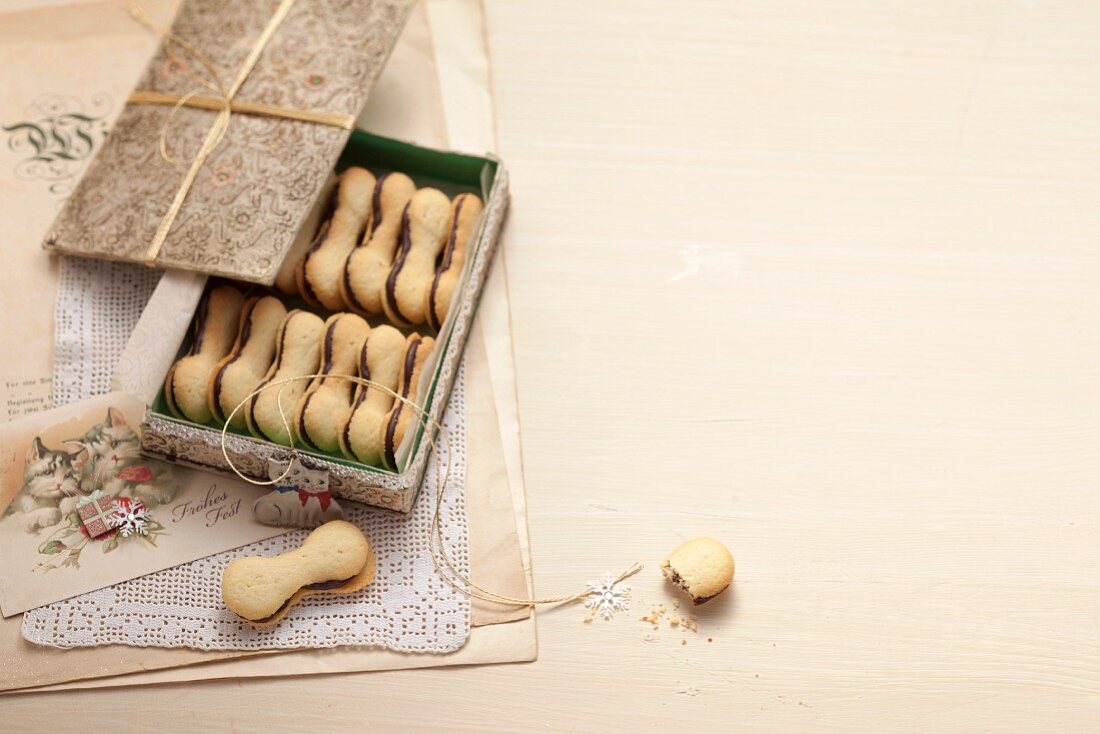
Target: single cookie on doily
x: 336, y: 558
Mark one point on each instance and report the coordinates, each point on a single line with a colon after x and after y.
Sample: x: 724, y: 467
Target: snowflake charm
x: 131, y: 516
x: 605, y: 597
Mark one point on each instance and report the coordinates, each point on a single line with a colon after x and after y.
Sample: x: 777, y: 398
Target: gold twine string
x: 220, y: 99
x: 440, y: 557
x: 333, y: 119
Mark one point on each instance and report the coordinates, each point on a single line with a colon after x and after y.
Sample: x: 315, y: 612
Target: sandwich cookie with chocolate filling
x: 424, y: 227
x: 702, y: 567
x: 215, y: 328
x: 369, y: 263
x: 396, y: 422
x: 336, y: 558
x: 465, y: 210
x: 240, y: 371
x: 320, y: 271
x: 324, y: 408
x: 381, y: 360
x: 297, y: 354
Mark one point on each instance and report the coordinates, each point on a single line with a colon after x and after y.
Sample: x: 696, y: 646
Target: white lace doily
x: 409, y: 607
x: 98, y: 304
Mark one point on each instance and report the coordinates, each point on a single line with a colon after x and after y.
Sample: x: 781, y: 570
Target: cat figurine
x: 300, y: 498
x: 116, y: 467
x: 51, y: 486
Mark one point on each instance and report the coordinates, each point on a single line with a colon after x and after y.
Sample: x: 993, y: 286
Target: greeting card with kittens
x: 81, y: 508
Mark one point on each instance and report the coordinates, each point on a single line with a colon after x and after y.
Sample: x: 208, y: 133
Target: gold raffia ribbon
x: 220, y: 99
x: 333, y: 119
x: 443, y: 561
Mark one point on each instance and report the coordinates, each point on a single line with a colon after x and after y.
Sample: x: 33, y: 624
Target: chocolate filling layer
x: 322, y: 235
x: 444, y: 263
x: 169, y: 390
x: 675, y: 578
x: 705, y: 599
x: 200, y: 324
x: 406, y: 385
x: 349, y: 291
x: 404, y: 245
x: 321, y: 586
x: 246, y: 331
x: 375, y: 220
x: 364, y: 372
x: 376, y: 202
x: 326, y: 367
x: 279, y: 341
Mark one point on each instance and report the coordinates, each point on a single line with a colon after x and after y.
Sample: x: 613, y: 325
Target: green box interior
x: 452, y: 173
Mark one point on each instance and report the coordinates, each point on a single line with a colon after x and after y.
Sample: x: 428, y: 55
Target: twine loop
x: 444, y: 564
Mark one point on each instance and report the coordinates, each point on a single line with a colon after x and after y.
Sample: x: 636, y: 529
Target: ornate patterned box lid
x: 250, y: 195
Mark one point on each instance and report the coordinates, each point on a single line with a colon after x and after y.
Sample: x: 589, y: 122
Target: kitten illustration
x: 116, y: 467
x: 51, y: 486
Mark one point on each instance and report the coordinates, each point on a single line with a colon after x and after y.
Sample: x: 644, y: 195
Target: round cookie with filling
x: 702, y: 567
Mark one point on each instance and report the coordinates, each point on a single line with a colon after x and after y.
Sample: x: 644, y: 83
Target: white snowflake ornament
x: 606, y: 597
x: 131, y: 516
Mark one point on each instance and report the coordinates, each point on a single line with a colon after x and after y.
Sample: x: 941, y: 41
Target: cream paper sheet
x: 23, y: 666
x: 65, y: 73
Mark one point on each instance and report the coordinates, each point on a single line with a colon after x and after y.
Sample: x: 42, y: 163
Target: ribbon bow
x: 88, y: 499
x: 219, y: 98
x: 324, y: 497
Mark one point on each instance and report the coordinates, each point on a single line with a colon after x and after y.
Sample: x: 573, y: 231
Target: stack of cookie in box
x: 386, y: 251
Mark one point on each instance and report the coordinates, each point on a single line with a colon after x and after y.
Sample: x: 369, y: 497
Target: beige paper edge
x: 514, y: 642
x: 466, y: 87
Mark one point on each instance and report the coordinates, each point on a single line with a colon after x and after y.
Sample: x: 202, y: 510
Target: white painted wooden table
x: 819, y: 279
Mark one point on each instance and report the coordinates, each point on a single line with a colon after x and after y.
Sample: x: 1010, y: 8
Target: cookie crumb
x: 710, y: 639
x: 673, y: 621
x: 683, y: 642
x: 655, y: 614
